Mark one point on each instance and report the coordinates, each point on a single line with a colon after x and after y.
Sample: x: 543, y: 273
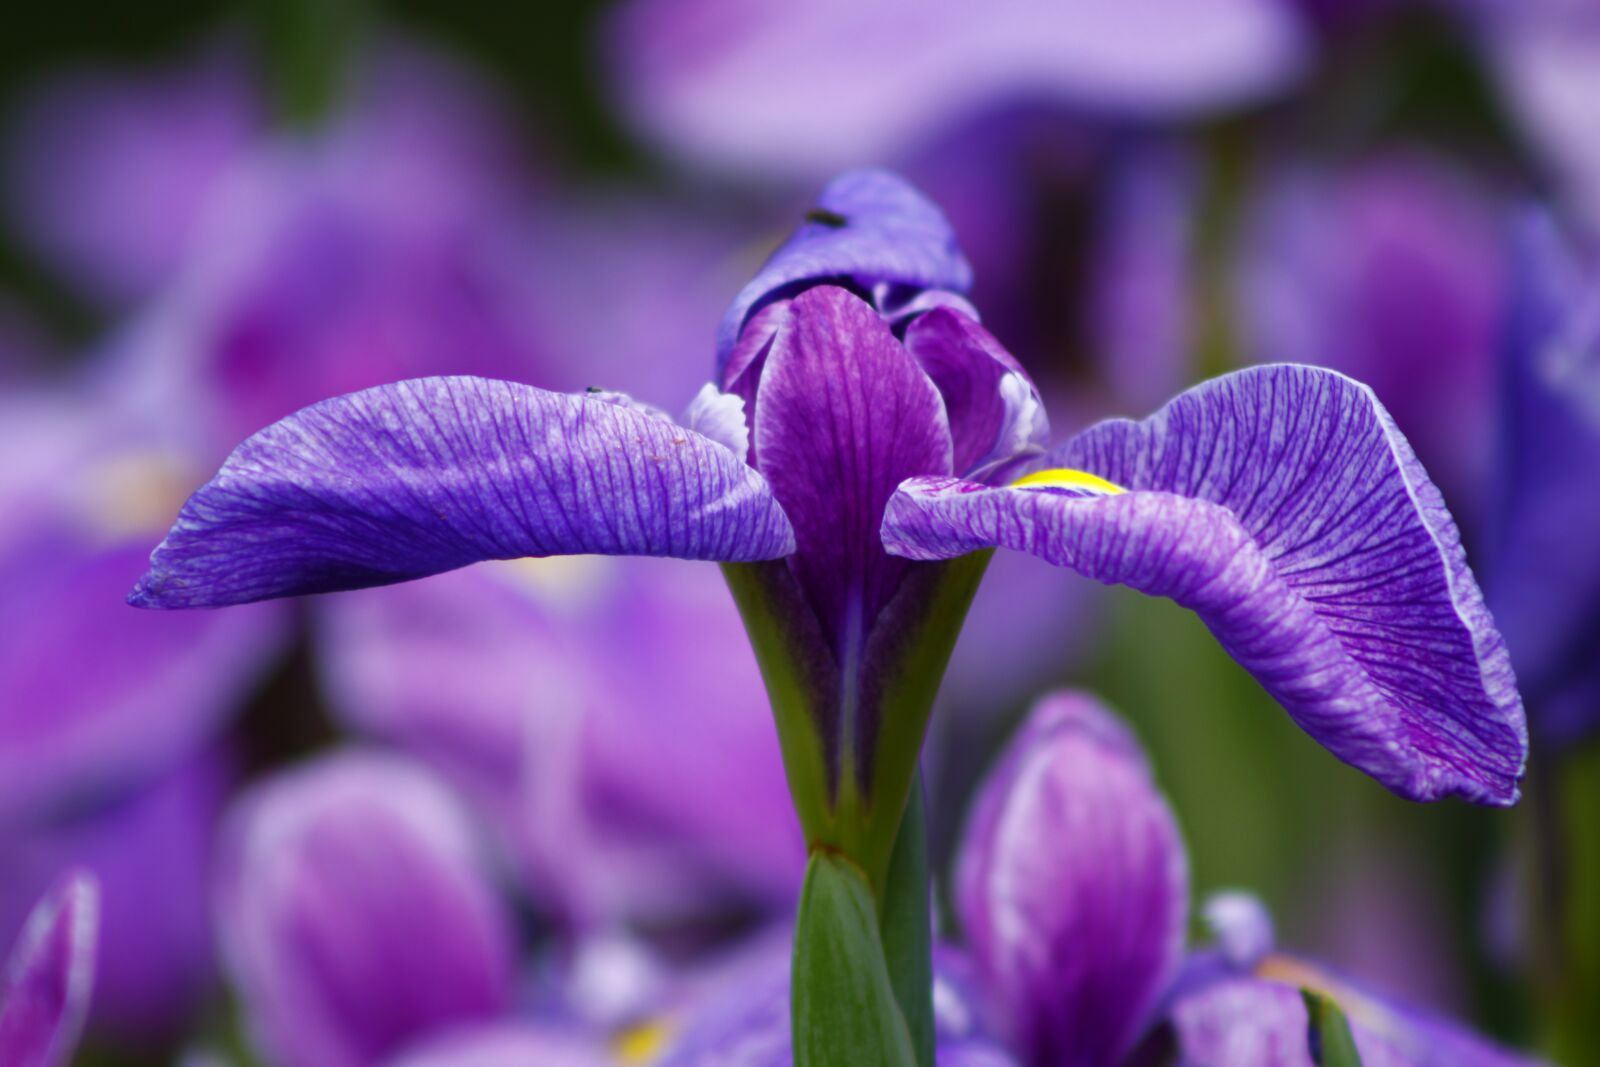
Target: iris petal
x: 1283, y: 506
x: 1073, y: 885
x: 46, y: 986
x: 432, y: 474
x: 869, y: 226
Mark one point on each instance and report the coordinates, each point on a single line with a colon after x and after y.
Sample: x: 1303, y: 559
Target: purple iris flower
x: 45, y: 990
x: 863, y: 429
x: 1072, y: 891
x: 805, y: 90
x: 1544, y: 573
x: 355, y: 915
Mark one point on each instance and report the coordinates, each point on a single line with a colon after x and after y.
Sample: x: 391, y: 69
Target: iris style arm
x: 1284, y: 507
x: 424, y: 476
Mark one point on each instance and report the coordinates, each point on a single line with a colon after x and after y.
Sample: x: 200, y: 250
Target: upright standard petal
x: 1282, y: 505
x: 47, y: 982
x: 843, y: 415
x: 354, y: 914
x: 428, y: 475
x: 1072, y: 884
x: 869, y: 226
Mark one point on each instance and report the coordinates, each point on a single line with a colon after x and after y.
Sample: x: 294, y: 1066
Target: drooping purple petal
x: 151, y: 852
x: 869, y: 227
x: 803, y: 90
x: 425, y: 476
x: 354, y: 915
x: 1249, y: 1021
x: 843, y: 415
x: 49, y: 975
x: 995, y: 414
x: 1284, y: 507
x: 1072, y: 886
x: 1544, y: 574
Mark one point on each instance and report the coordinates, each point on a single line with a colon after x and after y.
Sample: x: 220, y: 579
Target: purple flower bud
x: 354, y: 916
x: 45, y: 988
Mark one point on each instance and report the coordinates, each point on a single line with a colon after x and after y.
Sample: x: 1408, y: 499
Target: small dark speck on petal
x: 831, y: 219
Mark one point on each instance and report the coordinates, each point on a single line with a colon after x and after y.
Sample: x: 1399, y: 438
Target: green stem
x: 844, y: 1008
x: 1565, y: 904
x: 907, y: 924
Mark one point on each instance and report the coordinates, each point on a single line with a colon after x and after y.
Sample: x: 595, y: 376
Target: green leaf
x: 908, y: 925
x: 1328, y: 1032
x: 845, y: 1010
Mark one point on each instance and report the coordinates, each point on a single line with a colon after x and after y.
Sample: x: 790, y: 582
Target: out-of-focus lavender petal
x: 868, y: 227
x: 354, y: 916
x: 1546, y: 54
x: 48, y: 978
x: 508, y: 1044
x: 804, y: 90
x: 1284, y: 507
x: 169, y: 136
x: 601, y: 711
x: 747, y: 1025
x: 1261, y: 1022
x: 1072, y: 885
x: 1391, y: 270
x: 843, y: 415
x: 94, y: 696
x: 420, y: 477
x: 1140, y: 293
x: 380, y: 247
x: 1241, y: 925
x: 150, y: 850
x: 1544, y: 572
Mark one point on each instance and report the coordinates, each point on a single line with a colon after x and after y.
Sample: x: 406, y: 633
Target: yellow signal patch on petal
x: 1066, y: 478
x: 643, y: 1043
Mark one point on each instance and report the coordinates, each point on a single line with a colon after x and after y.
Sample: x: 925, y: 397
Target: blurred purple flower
x: 1544, y: 572
x: 151, y: 853
x: 805, y: 90
x: 354, y: 916
x: 1140, y: 297
x: 510, y: 1043
x: 1073, y: 895
x: 602, y: 713
x: 1546, y: 54
x: 48, y: 978
x: 1390, y: 270
x: 169, y: 135
x: 93, y: 699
